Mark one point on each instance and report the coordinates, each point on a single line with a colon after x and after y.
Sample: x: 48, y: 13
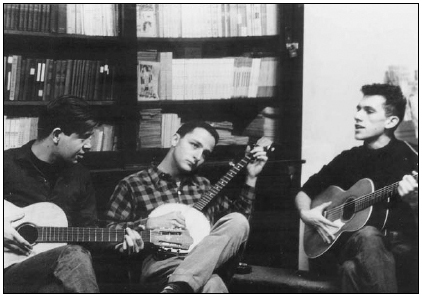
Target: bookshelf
x: 282, y: 108
x: 207, y: 47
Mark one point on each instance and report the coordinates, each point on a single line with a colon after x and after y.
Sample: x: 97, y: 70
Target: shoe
x: 177, y: 288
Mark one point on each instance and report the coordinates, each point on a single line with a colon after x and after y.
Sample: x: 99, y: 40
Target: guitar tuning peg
x: 269, y: 148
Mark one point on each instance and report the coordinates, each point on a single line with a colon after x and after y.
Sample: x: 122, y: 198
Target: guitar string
x: 76, y: 232
x: 386, y: 190
x: 338, y: 209
x: 224, y: 180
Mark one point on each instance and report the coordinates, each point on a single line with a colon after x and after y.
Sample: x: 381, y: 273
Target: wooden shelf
x: 60, y: 46
x: 97, y: 38
x: 44, y: 103
x: 122, y: 49
x: 207, y: 102
x: 257, y: 46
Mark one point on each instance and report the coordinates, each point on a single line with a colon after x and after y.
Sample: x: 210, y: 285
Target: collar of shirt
x: 157, y: 175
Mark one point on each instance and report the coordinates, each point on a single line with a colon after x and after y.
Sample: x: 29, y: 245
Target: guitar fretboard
x: 377, y: 196
x: 365, y: 201
x: 80, y: 234
x: 210, y: 194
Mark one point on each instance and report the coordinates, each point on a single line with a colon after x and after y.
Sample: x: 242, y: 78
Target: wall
x: 345, y: 47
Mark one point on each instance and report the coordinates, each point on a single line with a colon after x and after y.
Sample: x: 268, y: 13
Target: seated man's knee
x: 239, y: 222
x: 368, y: 231
x: 76, y: 253
x: 369, y: 234
x: 348, y: 268
x: 215, y: 285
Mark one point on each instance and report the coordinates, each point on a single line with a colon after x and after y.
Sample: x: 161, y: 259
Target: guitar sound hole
x: 348, y: 209
x: 29, y: 232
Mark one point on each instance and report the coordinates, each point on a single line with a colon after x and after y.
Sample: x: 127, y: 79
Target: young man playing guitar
x: 366, y: 257
x: 47, y: 170
x: 174, y: 183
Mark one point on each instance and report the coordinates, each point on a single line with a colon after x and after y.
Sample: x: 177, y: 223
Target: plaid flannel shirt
x: 138, y: 194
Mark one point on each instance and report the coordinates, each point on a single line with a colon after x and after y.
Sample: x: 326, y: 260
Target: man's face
x: 191, y: 150
x: 73, y: 147
x: 370, y: 118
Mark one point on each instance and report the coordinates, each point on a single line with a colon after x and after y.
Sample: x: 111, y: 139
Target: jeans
x: 66, y: 269
x: 367, y: 263
x: 198, y: 268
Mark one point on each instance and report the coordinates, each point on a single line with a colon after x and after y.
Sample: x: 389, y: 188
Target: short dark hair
x: 192, y: 125
x: 69, y: 113
x: 395, y: 102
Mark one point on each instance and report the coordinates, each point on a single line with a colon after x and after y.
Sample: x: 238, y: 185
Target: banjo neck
x: 222, y: 182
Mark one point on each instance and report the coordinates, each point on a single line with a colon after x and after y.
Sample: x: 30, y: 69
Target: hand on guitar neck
x: 132, y: 242
x: 408, y: 184
x: 259, y: 159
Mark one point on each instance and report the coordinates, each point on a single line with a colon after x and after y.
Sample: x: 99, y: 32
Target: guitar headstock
x: 174, y: 239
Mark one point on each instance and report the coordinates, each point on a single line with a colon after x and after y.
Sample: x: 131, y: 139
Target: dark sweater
x: 383, y: 166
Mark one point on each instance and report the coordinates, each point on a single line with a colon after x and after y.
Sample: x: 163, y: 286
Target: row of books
x: 105, y: 138
x: 164, y: 78
x: 84, y: 19
x: 29, y: 79
x: 225, y: 133
x: 156, y: 128
x: 266, y: 123
x: 18, y: 131
x: 206, y: 20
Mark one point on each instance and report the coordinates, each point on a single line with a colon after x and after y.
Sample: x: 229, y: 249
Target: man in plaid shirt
x: 174, y: 181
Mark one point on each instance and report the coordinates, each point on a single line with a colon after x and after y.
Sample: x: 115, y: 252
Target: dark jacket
x: 70, y: 187
x: 383, y: 166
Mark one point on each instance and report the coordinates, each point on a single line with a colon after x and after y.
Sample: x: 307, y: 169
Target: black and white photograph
x: 190, y: 148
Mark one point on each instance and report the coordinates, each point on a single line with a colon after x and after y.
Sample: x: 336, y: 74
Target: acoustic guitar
x: 45, y: 226
x: 350, y: 210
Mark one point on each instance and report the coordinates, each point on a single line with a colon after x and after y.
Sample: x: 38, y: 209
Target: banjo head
x: 196, y: 223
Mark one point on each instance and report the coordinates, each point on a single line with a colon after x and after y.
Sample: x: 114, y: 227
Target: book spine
x: 37, y: 17
x: 22, y: 80
x: 97, y: 80
x: 68, y: 78
x: 47, y: 18
x: 14, y: 16
x: 85, y: 80
x: 31, y: 9
x: 47, y: 77
x: 26, y: 70
x: 43, y: 9
x: 12, y: 85
x: 61, y: 18
x: 7, y: 16
x: 21, y: 17
x: 54, y: 17
x: 264, y: 19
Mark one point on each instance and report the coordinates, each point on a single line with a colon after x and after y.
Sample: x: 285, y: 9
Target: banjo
x: 196, y: 222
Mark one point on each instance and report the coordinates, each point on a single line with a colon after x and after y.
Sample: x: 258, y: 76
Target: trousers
x: 367, y: 263
x: 66, y: 269
x: 198, y: 268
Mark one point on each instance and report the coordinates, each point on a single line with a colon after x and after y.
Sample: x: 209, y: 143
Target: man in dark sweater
x: 367, y: 258
x: 47, y: 170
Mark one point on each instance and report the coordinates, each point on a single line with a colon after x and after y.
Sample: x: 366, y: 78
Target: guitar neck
x: 377, y: 196
x: 215, y: 189
x: 82, y: 234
